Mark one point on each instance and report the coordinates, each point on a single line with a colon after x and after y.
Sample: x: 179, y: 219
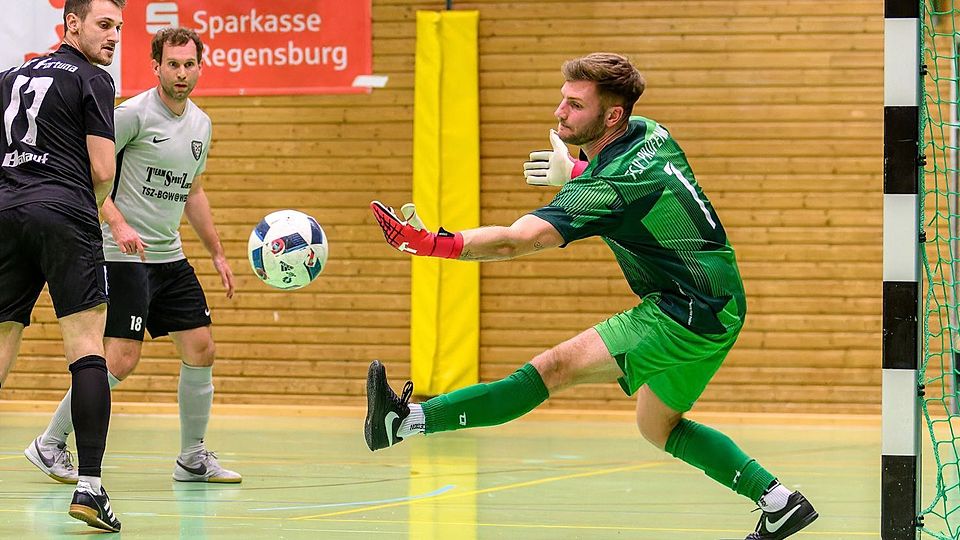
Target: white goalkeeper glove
x: 553, y: 167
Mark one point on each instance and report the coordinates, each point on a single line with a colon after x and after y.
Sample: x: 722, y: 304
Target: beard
x: 171, y: 91
x: 587, y: 133
x: 103, y: 58
x: 95, y: 54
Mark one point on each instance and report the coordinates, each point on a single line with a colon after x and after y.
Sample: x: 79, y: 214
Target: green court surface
x: 537, y: 478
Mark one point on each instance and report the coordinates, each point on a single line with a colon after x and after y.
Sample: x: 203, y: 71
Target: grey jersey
x: 158, y: 156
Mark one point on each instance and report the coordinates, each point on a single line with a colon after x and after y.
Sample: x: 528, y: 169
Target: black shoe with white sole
x: 93, y: 509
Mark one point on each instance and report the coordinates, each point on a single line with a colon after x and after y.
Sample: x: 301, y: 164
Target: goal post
x: 900, y: 462
x: 921, y: 267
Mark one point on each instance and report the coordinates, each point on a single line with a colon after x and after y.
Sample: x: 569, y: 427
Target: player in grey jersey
x: 162, y: 144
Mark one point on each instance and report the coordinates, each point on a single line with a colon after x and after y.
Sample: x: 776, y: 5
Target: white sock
x: 775, y: 498
x: 92, y: 481
x: 61, y: 425
x: 414, y: 423
x: 195, y: 396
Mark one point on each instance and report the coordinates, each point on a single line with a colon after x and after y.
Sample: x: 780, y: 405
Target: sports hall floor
x: 549, y: 476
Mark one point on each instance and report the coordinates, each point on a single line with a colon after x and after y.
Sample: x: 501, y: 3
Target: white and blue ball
x: 287, y: 249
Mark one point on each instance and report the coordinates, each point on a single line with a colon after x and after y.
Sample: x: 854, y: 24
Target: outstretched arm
x: 527, y: 235
x: 406, y: 233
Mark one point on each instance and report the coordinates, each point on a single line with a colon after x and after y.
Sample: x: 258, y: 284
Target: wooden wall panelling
x: 776, y: 102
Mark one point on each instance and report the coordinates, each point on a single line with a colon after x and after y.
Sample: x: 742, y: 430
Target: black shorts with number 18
x: 157, y: 297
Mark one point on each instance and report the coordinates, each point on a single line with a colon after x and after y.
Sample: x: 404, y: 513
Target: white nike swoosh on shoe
x: 774, y: 526
x: 388, y: 422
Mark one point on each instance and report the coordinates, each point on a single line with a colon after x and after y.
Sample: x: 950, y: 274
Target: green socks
x: 719, y: 457
x: 491, y: 404
x: 486, y: 404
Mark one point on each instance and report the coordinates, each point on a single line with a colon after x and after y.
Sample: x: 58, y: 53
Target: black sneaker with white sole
x: 797, y: 514
x: 385, y: 410
x: 93, y: 509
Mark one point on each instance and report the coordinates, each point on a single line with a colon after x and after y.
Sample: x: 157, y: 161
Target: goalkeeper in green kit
x: 636, y: 191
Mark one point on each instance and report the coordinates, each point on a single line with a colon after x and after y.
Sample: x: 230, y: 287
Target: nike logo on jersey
x: 388, y: 423
x: 206, y: 312
x: 774, y: 526
x: 156, y: 140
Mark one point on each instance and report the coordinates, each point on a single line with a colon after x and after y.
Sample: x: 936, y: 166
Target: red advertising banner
x: 256, y: 47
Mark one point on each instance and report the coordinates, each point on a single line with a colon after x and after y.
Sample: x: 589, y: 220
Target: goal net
x: 940, y: 259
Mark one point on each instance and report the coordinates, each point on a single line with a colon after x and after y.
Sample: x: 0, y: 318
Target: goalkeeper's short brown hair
x: 618, y: 81
x: 175, y: 37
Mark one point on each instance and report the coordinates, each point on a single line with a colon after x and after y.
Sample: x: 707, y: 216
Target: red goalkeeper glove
x: 410, y: 236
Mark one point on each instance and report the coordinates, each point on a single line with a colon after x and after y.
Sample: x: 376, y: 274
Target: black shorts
x: 157, y: 297
x: 41, y: 245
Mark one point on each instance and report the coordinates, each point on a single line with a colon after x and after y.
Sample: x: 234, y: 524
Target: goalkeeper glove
x: 409, y: 235
x: 552, y: 167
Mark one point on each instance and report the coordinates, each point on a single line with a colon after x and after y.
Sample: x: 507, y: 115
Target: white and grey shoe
x: 203, y: 467
x: 54, y: 460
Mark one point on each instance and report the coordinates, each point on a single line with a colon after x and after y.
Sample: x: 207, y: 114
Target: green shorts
x: 653, y: 349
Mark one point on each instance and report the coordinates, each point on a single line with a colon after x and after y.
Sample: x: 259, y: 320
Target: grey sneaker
x: 203, y: 467
x: 55, y: 461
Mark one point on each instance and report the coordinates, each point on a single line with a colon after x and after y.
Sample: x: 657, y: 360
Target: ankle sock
x: 775, y: 497
x: 92, y: 481
x: 413, y: 424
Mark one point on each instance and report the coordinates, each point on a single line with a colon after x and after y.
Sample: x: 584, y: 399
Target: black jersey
x: 50, y: 104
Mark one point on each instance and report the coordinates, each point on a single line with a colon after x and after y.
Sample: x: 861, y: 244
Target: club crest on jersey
x: 197, y: 147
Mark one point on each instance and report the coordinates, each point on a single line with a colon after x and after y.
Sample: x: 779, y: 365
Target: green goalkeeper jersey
x: 639, y: 194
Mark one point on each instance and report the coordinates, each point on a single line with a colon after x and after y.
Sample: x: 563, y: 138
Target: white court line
x: 434, y: 493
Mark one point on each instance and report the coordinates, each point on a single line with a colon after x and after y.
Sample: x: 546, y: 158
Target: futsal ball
x: 287, y: 249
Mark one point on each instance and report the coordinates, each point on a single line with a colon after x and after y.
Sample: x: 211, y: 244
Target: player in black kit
x: 57, y: 147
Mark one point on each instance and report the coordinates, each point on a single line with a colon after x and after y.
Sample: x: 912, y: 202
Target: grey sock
x: 195, y: 396
x: 61, y: 425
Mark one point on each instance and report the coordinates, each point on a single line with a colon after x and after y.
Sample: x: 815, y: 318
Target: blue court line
x: 434, y: 493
